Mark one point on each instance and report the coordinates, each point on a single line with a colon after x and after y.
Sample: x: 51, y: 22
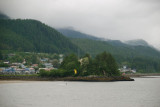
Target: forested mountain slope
x: 34, y: 36
x: 142, y: 58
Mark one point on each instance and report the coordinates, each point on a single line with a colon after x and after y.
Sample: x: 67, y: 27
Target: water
x: 143, y: 92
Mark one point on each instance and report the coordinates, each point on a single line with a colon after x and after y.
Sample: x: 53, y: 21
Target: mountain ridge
x: 137, y: 42
x: 71, y: 33
x: 3, y: 16
x: 32, y: 35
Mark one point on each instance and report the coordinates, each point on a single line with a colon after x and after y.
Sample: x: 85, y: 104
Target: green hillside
x: 137, y: 42
x: 32, y: 36
x: 137, y: 54
x: 3, y: 16
x: 142, y: 58
x: 76, y: 34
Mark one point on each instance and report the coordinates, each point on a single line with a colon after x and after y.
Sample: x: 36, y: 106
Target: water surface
x: 143, y: 92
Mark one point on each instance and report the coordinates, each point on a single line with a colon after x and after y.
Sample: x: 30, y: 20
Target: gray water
x: 143, y: 92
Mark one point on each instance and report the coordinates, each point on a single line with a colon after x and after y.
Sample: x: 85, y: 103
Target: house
x: 24, y: 61
x: 48, y: 65
x: 32, y: 70
x: 16, y: 64
x: 23, y: 66
x: 21, y: 71
x: 6, y: 62
x: 124, y: 69
x: 44, y: 60
x: 34, y: 65
x: 2, y: 70
x: 60, y: 58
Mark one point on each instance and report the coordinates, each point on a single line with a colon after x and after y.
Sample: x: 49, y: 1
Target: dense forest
x: 102, y: 65
x: 32, y: 36
x: 144, y: 59
x: 137, y: 54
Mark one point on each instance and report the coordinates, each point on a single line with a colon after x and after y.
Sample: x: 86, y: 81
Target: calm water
x: 143, y: 92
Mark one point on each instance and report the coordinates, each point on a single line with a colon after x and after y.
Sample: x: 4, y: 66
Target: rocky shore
x: 142, y: 74
x: 89, y: 79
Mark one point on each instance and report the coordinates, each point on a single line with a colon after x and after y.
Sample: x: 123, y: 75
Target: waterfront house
x: 125, y: 69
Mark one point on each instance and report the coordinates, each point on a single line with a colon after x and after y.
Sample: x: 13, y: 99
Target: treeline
x: 32, y: 36
x: 102, y: 65
x: 142, y: 58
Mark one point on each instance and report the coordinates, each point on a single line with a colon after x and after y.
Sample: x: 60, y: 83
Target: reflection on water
x: 143, y: 92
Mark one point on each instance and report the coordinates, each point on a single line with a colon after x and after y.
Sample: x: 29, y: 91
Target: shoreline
x: 142, y: 75
x: 83, y: 79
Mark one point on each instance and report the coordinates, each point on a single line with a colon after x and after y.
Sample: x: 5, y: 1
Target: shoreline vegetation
x: 36, y: 77
x: 87, y: 79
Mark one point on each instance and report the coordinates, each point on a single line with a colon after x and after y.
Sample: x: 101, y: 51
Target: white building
x: 48, y: 65
x: 124, y: 69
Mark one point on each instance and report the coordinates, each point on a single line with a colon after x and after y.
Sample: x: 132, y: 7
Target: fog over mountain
x: 111, y: 19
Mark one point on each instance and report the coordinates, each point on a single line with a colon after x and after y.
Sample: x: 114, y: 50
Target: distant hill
x: 117, y: 43
x: 115, y: 47
x: 137, y: 54
x: 137, y: 42
x: 3, y: 16
x: 142, y: 58
x: 33, y: 36
x: 71, y: 33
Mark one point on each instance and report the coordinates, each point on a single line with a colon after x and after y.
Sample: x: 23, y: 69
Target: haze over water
x: 143, y: 92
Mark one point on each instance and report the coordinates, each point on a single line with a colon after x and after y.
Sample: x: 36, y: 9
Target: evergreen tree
x: 56, y: 63
x: 1, y: 56
x: 106, y: 65
x: 70, y: 63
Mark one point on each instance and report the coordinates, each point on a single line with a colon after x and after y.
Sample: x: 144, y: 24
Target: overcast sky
x: 111, y: 19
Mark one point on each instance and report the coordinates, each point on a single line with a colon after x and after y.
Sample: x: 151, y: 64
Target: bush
x: 43, y: 73
x: 56, y: 73
x: 4, y: 65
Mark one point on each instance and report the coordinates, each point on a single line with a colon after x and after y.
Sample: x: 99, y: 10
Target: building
x: 48, y: 65
x: 125, y: 69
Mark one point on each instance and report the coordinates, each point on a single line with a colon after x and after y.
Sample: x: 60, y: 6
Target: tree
x: 106, y: 65
x: 1, y: 56
x: 70, y: 63
x: 34, y: 59
x: 55, y: 63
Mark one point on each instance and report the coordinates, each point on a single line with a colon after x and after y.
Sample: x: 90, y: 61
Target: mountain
x: 115, y: 47
x: 33, y: 36
x: 116, y: 43
x: 3, y: 16
x: 142, y: 58
x: 137, y: 42
x: 71, y: 33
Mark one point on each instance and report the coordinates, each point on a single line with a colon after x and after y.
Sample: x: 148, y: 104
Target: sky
x: 110, y: 19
